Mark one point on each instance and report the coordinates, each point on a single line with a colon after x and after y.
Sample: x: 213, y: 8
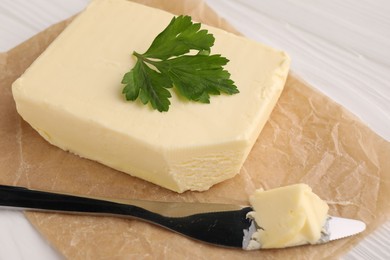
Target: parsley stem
x: 139, y: 56
x: 143, y: 59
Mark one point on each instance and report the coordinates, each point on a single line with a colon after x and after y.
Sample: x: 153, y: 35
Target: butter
x: 287, y: 216
x: 72, y: 96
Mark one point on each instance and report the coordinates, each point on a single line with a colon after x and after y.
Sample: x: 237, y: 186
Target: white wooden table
x: 341, y: 48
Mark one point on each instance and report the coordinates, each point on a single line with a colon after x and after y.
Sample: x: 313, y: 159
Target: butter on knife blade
x: 294, y: 215
x: 218, y: 224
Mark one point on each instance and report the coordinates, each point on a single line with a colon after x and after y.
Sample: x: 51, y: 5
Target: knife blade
x: 224, y: 225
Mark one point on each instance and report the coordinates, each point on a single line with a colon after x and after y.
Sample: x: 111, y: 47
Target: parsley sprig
x: 179, y: 56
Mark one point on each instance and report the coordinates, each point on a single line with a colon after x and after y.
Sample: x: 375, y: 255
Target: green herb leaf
x: 163, y: 65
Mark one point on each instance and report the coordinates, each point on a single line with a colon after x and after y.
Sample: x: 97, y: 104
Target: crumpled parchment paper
x: 308, y: 138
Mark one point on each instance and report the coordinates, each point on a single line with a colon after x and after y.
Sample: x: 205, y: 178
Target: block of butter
x: 72, y: 96
x: 287, y: 216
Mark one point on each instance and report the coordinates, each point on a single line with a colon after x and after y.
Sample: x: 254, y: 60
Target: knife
x: 224, y: 225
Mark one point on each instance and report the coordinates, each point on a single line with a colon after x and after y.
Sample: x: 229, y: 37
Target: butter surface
x: 287, y: 216
x: 72, y: 96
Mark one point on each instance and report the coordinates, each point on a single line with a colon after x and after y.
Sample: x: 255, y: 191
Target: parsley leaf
x: 168, y: 62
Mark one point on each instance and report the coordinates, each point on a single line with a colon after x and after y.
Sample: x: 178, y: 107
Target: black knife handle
x: 24, y: 198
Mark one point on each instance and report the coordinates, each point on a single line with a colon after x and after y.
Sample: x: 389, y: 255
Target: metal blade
x: 344, y: 227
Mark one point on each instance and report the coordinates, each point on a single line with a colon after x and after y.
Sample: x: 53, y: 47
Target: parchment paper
x: 308, y: 138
